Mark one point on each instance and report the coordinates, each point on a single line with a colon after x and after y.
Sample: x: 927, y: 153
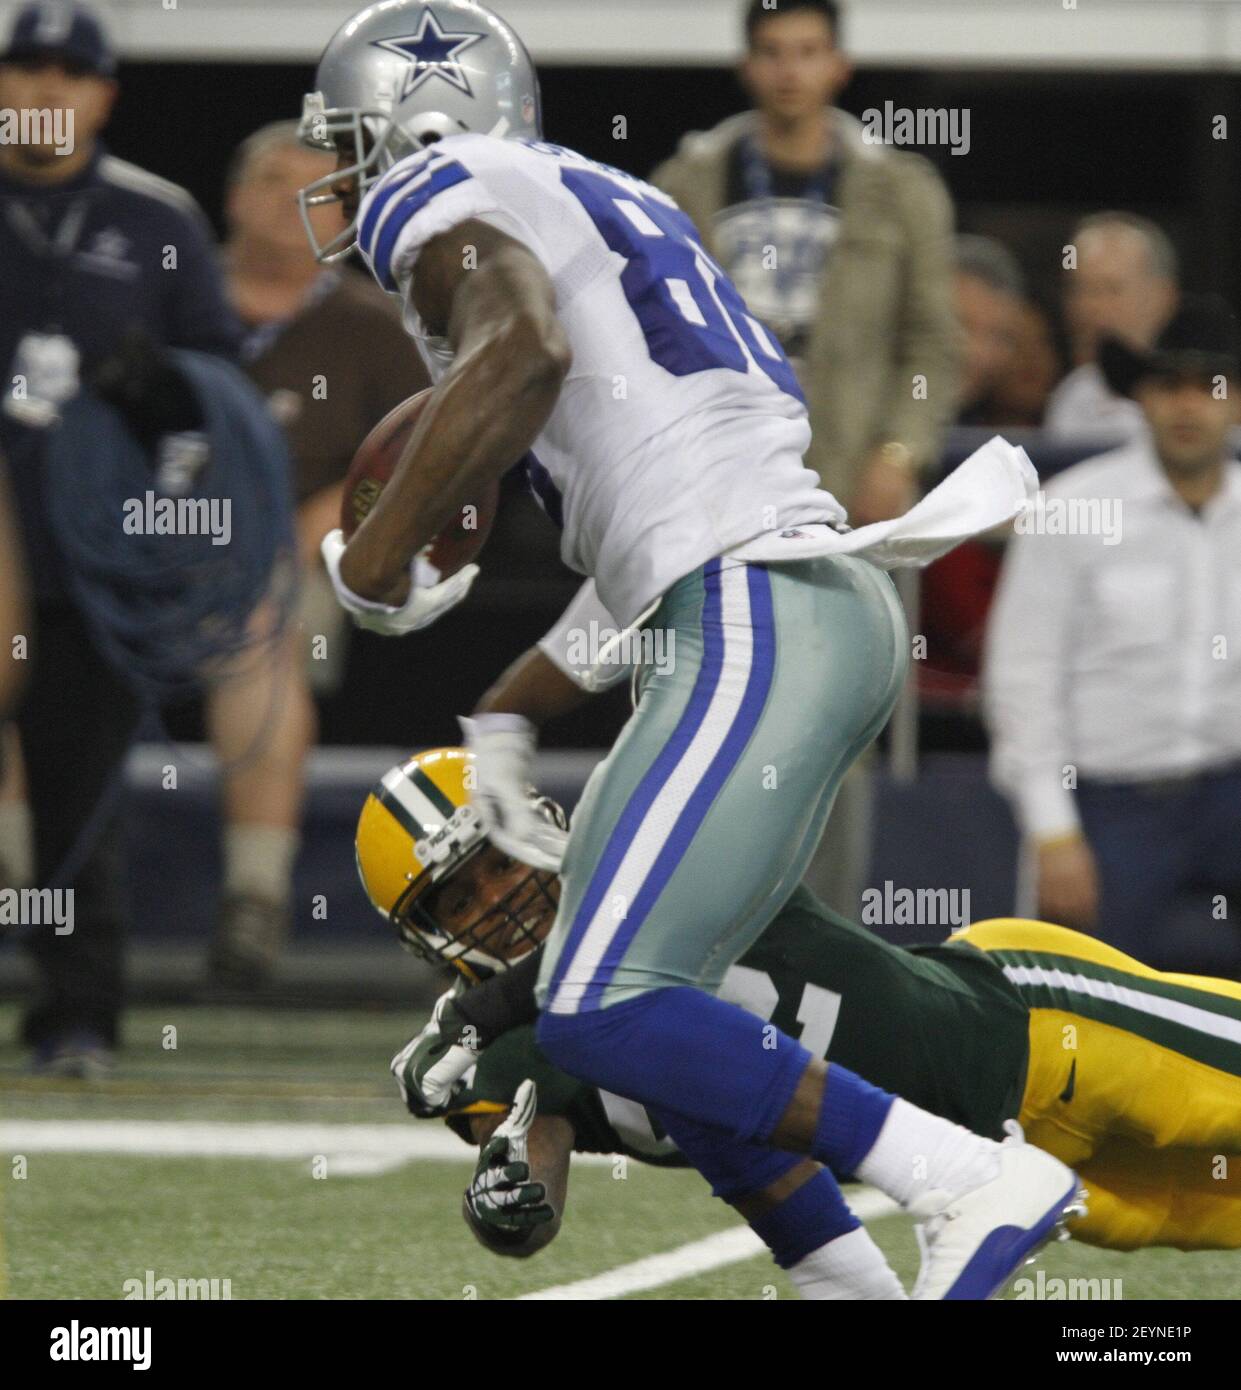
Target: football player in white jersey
x: 571, y: 319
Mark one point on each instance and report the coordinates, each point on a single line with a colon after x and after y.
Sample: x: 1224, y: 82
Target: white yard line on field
x: 350, y: 1149
x: 362, y: 1150
x: 712, y: 1252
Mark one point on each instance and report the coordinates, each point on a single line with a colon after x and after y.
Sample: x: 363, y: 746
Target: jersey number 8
x: 691, y: 314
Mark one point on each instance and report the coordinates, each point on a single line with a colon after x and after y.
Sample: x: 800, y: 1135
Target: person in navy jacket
x: 96, y: 254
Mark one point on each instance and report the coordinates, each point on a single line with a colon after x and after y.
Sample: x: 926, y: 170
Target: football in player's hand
x: 372, y: 467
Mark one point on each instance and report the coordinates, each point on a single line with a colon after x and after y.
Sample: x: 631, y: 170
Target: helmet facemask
x: 495, y: 938
x: 377, y: 143
x: 377, y: 140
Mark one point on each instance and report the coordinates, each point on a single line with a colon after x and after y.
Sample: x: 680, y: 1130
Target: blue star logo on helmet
x: 432, y: 52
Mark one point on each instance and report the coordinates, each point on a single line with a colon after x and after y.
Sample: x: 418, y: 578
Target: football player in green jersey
x: 1131, y: 1076
x: 1136, y: 1075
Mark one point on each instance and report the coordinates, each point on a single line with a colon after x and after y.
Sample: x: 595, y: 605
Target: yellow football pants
x: 1155, y: 1134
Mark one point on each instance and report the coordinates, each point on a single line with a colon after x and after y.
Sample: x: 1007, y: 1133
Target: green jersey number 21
x: 817, y: 1008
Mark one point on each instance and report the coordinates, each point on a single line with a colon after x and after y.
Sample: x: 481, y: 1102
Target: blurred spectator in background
x: 1124, y: 285
x: 989, y: 296
x: 955, y: 598
x: 842, y: 247
x: 327, y: 348
x: 1022, y: 389
x: 85, y: 243
x: 1112, y: 681
x: 1008, y: 368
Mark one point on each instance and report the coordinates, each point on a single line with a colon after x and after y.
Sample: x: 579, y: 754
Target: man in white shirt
x: 1123, y: 284
x: 1112, y: 680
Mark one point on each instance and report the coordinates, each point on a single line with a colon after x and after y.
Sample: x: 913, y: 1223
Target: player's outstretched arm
x: 495, y: 303
x: 544, y: 683
x: 502, y: 736
x: 535, y: 688
x: 496, y: 1223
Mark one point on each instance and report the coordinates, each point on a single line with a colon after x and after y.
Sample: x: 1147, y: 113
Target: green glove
x: 502, y: 1204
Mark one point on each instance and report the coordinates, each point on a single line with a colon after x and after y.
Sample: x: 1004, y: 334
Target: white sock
x: 917, y: 1152
x: 258, y: 861
x: 850, y: 1267
x: 16, y: 845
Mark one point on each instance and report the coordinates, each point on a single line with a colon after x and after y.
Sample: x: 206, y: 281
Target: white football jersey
x: 680, y: 430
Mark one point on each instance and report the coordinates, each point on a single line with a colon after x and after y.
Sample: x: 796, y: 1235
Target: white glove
x: 429, y: 1068
x: 516, y: 1127
x: 429, y: 597
x: 503, y: 747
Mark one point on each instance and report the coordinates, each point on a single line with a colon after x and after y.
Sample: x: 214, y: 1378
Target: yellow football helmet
x: 416, y: 829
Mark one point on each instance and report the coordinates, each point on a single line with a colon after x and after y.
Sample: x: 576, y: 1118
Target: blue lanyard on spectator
x: 57, y: 249
x: 756, y: 172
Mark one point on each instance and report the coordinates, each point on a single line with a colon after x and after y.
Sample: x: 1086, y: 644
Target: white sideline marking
x: 723, y: 1248
x: 712, y: 1252
x: 354, y: 1148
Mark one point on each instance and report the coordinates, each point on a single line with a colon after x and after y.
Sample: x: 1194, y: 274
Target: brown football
x: 372, y: 467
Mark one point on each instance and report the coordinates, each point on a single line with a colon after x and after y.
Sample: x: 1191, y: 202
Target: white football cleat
x: 974, y: 1241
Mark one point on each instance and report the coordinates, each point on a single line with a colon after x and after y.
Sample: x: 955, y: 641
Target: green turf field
x: 340, y: 1208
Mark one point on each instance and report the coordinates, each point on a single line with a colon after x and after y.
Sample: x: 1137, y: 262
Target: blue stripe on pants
x: 758, y: 683
x: 700, y: 800
x: 660, y: 770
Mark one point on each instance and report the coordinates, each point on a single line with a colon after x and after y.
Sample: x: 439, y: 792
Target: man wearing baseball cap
x: 57, y: 61
x: 64, y: 30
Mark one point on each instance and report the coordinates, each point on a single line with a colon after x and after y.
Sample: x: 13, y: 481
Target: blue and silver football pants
x: 695, y: 829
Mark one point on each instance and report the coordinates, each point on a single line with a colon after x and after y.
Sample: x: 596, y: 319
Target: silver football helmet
x: 401, y: 74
